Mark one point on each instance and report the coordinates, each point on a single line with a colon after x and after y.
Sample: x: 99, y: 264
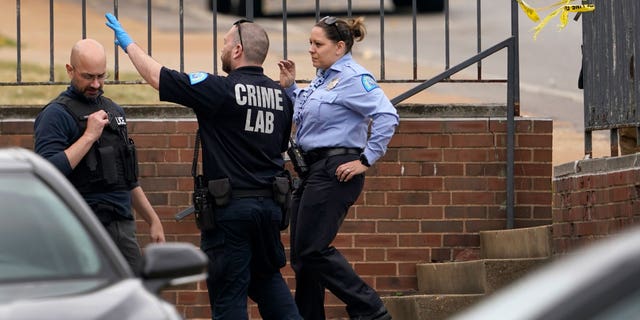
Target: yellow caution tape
x: 580, y: 8
x: 564, y: 19
x: 531, y: 12
x: 555, y: 5
x: 562, y: 8
x: 544, y: 22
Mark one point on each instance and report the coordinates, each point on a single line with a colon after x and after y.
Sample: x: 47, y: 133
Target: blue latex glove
x: 122, y: 37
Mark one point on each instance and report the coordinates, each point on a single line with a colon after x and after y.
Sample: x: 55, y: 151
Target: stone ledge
x: 132, y: 111
x: 598, y: 165
x: 451, y: 110
x: 177, y: 111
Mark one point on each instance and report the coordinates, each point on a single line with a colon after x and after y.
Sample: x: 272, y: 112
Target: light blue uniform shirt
x: 336, y: 108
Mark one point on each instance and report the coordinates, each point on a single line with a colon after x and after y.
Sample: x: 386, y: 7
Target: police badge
x: 332, y: 84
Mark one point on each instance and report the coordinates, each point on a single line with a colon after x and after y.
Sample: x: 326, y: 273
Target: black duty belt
x: 252, y: 193
x: 321, y: 153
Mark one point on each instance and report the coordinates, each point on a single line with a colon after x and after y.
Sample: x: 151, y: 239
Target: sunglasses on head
x: 331, y: 21
x: 237, y: 24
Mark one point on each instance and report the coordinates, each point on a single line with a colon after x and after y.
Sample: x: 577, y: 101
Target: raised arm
x: 147, y: 67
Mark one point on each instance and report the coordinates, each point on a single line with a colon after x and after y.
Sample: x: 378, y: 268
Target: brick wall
x: 593, y: 199
x: 440, y: 183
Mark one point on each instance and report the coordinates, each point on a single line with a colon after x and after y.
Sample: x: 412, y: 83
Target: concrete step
x: 428, y: 307
x: 445, y: 289
x: 472, y: 277
x: 534, y: 242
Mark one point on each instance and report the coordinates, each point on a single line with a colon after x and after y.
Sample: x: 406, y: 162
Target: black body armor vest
x: 110, y: 164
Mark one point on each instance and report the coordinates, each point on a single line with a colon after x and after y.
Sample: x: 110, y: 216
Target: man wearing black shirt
x: 245, y: 123
x: 84, y: 134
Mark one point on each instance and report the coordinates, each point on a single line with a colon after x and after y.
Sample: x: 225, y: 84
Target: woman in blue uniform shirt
x: 332, y: 116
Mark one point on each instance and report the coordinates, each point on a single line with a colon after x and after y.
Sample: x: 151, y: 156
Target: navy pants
x: 245, y: 256
x: 319, y: 207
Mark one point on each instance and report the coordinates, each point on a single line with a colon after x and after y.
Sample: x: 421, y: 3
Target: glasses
x: 331, y: 21
x: 92, y: 77
x: 237, y: 24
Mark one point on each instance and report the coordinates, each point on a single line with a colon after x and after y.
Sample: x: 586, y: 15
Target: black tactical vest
x: 110, y: 164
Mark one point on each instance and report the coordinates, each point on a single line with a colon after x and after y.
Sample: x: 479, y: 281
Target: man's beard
x: 83, y: 92
x: 226, y: 65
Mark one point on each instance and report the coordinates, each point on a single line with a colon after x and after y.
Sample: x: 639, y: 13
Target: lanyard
x: 315, y: 84
x: 307, y: 92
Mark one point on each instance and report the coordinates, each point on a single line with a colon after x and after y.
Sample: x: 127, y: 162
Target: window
x: 40, y: 238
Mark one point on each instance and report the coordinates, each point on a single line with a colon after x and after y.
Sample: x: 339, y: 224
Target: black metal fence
x: 482, y: 51
x: 611, y: 36
x: 510, y: 44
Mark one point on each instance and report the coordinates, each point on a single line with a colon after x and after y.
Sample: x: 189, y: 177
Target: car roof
x: 15, y: 159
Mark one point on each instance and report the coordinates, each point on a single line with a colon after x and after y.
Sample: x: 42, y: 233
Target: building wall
x: 593, y: 199
x: 440, y: 183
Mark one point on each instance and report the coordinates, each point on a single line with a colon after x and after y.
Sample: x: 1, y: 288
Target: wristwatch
x: 364, y: 160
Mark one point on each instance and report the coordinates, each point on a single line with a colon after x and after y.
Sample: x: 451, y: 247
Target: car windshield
x: 40, y: 238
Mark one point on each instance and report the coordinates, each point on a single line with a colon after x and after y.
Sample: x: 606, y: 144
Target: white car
x: 58, y: 262
x: 600, y: 281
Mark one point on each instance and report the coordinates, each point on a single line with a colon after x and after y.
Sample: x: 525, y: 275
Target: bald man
x: 84, y: 134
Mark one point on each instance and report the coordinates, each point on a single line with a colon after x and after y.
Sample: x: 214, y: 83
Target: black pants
x: 245, y: 256
x: 319, y: 207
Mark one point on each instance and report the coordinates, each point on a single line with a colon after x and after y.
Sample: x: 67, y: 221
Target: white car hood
x: 126, y: 299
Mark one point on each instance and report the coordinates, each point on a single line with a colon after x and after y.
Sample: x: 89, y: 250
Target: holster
x: 220, y: 189
x: 282, y: 186
x: 297, y: 159
x: 204, y: 209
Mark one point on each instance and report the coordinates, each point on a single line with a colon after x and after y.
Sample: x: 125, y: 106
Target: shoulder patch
x: 197, y: 77
x: 368, y: 82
